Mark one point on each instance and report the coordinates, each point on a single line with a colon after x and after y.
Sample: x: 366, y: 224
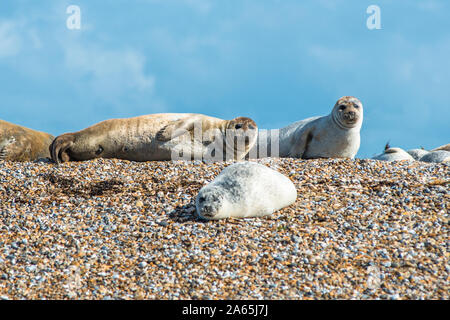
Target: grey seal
x: 245, y: 189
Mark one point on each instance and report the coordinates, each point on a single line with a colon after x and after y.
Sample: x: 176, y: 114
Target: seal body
x: 336, y: 135
x: 154, y: 137
x: 393, y: 154
x: 436, y: 156
x: 245, y: 189
x: 19, y: 143
x: 417, y: 153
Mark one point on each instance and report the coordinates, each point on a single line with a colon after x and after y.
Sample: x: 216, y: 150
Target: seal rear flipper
x: 60, y: 146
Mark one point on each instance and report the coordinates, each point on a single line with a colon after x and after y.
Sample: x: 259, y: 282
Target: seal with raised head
x: 393, y: 154
x: 18, y: 143
x: 155, y: 137
x: 245, y: 189
x: 336, y: 135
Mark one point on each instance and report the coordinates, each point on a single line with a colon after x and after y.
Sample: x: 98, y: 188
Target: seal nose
x: 350, y: 115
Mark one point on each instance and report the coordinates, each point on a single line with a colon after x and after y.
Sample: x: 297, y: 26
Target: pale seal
x: 155, y: 137
x: 436, y: 156
x: 19, y: 143
x: 393, y: 154
x: 417, y: 153
x: 336, y: 135
x: 245, y: 189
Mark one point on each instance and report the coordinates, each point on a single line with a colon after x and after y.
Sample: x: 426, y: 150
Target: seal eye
x: 201, y: 199
x: 238, y: 126
x: 251, y: 127
x: 99, y: 150
x: 341, y: 107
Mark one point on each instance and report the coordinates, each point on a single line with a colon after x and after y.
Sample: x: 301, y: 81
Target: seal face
x: 393, y: 154
x: 165, y: 136
x: 245, y: 189
x: 336, y: 135
x: 347, y: 112
x: 19, y: 143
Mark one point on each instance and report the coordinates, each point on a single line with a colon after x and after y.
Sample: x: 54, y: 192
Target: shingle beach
x: 113, y: 229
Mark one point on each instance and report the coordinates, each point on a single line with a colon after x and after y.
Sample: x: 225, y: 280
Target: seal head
x: 241, y: 135
x: 348, y: 112
x: 211, y: 203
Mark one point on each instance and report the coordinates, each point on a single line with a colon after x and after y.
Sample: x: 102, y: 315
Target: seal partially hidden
x: 161, y: 136
x: 436, y: 155
x: 245, y: 189
x: 19, y: 143
x: 393, y: 154
x: 336, y: 135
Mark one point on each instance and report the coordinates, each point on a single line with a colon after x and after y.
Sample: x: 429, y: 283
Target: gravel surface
x: 112, y: 229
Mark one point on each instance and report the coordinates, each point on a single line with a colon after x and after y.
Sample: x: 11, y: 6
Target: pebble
x: 113, y: 229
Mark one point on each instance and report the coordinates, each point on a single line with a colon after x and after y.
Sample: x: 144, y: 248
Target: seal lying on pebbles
x: 393, y: 154
x: 417, y: 153
x: 336, y: 135
x: 444, y: 147
x: 436, y: 156
x: 156, y: 137
x: 205, y: 129
x: 19, y: 143
x: 245, y: 189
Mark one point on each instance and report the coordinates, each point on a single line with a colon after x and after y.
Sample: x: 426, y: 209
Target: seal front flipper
x: 176, y: 129
x: 299, y: 147
x: 60, y: 147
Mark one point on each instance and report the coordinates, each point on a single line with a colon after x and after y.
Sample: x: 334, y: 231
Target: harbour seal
x: 436, y: 156
x: 336, y: 135
x: 19, y: 143
x: 155, y: 137
x: 245, y: 189
x: 393, y: 154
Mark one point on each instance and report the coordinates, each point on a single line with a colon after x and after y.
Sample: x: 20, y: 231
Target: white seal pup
x: 393, y: 154
x: 436, y: 156
x: 336, y: 135
x: 18, y: 143
x: 148, y: 138
x: 245, y: 189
